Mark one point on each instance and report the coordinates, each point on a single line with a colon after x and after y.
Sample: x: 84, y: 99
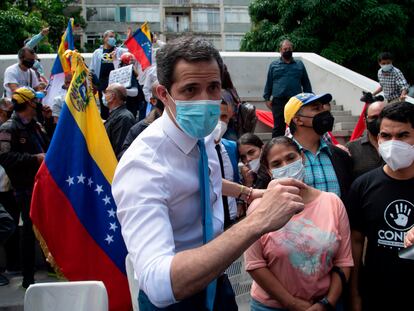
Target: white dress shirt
x: 156, y: 189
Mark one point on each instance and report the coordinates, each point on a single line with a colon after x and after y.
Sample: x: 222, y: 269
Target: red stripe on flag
x: 360, y: 126
x: 139, y: 53
x: 71, y: 245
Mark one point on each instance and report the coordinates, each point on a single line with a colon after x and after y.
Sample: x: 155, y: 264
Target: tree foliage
x: 22, y: 19
x: 351, y: 33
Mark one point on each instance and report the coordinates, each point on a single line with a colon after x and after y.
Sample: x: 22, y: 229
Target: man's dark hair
x: 226, y: 82
x: 385, y: 56
x: 191, y: 50
x: 23, y: 51
x: 401, y: 112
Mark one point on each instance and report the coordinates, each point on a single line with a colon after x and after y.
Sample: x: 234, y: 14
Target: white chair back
x: 133, y: 284
x: 66, y: 296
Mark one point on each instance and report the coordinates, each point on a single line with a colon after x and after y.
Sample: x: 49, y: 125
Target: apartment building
x: 223, y: 22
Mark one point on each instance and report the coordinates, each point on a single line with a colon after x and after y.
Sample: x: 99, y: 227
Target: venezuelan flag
x: 140, y: 45
x: 72, y: 209
x: 61, y: 65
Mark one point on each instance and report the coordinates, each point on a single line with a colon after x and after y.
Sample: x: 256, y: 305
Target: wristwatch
x: 325, y: 302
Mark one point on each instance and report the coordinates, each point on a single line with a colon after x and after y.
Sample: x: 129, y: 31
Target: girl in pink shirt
x: 293, y: 268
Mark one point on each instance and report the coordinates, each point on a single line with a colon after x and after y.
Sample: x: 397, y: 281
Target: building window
x: 232, y: 42
x: 101, y: 14
x: 122, y: 14
x: 177, y: 23
x: 206, y: 20
x: 93, y: 39
x: 236, y: 15
x: 216, y: 41
x: 143, y: 14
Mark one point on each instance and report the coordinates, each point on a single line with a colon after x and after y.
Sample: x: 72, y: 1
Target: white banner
x: 121, y: 75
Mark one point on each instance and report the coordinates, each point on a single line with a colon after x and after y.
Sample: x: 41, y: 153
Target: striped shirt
x: 319, y: 171
x: 392, y: 83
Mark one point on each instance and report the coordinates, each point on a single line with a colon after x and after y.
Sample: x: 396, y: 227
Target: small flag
x: 60, y: 66
x: 140, y: 45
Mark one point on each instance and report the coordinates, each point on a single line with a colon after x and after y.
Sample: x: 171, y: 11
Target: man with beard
x: 363, y: 151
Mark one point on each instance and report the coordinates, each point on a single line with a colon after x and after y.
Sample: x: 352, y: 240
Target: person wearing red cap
x: 135, y: 99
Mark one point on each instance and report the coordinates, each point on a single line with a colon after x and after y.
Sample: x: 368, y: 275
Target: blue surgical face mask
x: 197, y: 118
x: 294, y: 170
x: 104, y: 101
x: 111, y: 41
x: 386, y: 68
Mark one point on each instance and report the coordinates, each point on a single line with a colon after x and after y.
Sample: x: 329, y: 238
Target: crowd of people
x: 320, y: 225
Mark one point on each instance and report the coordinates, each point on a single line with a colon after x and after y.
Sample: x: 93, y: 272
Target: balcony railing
x: 176, y: 27
x: 205, y: 1
x: 188, y: 2
x: 177, y: 2
x: 205, y: 27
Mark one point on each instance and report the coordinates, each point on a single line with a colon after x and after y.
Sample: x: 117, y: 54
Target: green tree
x: 21, y: 19
x: 350, y: 33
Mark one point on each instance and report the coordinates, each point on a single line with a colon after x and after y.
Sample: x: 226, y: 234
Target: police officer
x: 23, y: 144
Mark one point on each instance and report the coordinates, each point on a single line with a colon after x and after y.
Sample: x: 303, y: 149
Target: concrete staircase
x: 343, y: 127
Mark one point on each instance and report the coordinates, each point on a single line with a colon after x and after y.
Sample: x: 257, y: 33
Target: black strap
x: 227, y: 222
x: 341, y: 274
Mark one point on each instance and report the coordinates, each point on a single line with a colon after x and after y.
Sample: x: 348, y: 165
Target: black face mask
x: 28, y: 63
x: 287, y: 54
x: 323, y: 122
x: 373, y: 127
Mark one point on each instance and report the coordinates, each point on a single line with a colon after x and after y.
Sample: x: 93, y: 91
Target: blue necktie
x: 206, y: 214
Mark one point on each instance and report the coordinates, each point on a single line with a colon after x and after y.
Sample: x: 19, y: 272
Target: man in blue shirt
x: 286, y: 77
x: 327, y: 167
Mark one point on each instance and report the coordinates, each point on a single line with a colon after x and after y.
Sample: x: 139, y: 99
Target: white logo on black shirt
x: 397, y: 215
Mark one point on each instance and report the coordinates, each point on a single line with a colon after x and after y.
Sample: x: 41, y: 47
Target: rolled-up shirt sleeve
x: 141, y: 194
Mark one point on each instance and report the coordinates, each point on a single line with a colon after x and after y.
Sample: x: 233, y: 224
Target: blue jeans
x: 225, y: 300
x: 258, y: 306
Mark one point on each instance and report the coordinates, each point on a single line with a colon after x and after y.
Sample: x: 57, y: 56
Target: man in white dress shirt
x: 157, y: 190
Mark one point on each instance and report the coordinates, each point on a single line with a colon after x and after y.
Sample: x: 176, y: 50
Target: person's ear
x: 297, y: 120
x: 165, y: 97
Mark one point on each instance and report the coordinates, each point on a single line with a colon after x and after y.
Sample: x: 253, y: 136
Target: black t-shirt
x: 382, y: 209
x: 107, y: 66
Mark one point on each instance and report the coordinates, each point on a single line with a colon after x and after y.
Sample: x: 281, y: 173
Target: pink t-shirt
x: 303, y: 252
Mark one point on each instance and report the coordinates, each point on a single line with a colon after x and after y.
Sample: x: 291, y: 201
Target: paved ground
x: 12, y: 295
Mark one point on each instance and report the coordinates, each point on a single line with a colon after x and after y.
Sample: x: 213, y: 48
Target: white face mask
x: 255, y: 164
x: 294, y: 170
x: 219, y: 131
x: 397, y: 154
x: 386, y: 68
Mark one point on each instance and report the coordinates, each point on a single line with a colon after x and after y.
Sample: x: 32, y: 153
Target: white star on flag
x: 109, y: 239
x: 81, y: 179
x: 98, y: 189
x: 107, y: 200
x: 111, y: 212
x: 90, y: 182
x: 70, y: 180
x: 113, y: 226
